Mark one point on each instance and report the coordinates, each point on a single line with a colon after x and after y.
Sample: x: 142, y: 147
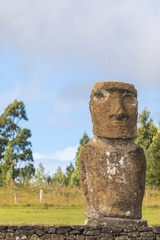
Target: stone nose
x: 120, y: 113
x: 117, y: 110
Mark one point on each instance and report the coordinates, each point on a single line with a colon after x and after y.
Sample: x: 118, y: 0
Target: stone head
x: 113, y: 107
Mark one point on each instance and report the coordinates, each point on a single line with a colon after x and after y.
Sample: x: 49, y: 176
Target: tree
x: 75, y: 180
x: 11, y: 132
x: 7, y: 166
x: 68, y: 174
x: 153, y: 168
x: 40, y: 176
x: 146, y: 131
x: 59, y: 178
x: 147, y: 138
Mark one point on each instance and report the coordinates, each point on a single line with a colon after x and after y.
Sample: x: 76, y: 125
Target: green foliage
x: 149, y: 139
x: 40, y: 176
x: 75, y: 180
x: 68, y: 174
x: 14, y: 144
x: 7, y: 166
x: 153, y: 156
x: 146, y: 131
x: 59, y: 178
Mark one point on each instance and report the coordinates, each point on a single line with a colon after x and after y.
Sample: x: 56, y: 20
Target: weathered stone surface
x: 80, y: 237
x: 10, y: 235
x: 113, y: 178
x: 34, y: 237
x: 39, y: 232
x: 51, y: 229
x: 122, y: 238
x: 85, y: 232
x: 106, y: 236
x: 91, y: 232
x: 112, y: 167
x: 113, y: 107
x: 156, y: 229
x: 46, y: 237
x: 74, y: 232
x: 63, y: 229
x: 57, y: 237
x: 2, y: 235
x: 115, y: 224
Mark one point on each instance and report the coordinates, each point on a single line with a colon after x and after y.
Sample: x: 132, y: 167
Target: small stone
x: 106, y: 236
x: 146, y: 234
x: 122, y: 238
x: 156, y: 229
x: 133, y: 234
x: 10, y: 235
x: 3, y: 227
x: 46, y: 237
x: 2, y: 235
x: 23, y: 237
x: 51, y: 229
x: 144, y: 229
x: 57, y: 237
x: 92, y: 238
x: 91, y: 233
x: 80, y: 237
x: 63, y: 229
x: 74, y: 232
x: 26, y: 227
x: 34, y: 237
x: 71, y: 237
x: 39, y: 232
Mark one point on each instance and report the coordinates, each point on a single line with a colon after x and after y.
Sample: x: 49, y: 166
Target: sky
x: 52, y: 52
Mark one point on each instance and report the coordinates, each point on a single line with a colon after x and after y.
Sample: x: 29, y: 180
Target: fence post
x: 41, y: 195
x: 67, y: 196
x: 15, y: 198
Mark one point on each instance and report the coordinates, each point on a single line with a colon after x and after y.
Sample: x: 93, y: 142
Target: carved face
x: 113, y: 107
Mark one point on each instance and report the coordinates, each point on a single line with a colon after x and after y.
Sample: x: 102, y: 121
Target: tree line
x: 17, y: 163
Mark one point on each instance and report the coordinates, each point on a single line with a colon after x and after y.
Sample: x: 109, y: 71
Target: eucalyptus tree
x: 14, y: 138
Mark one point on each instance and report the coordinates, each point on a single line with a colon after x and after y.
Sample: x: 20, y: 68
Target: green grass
x: 40, y: 216
x: 58, y: 216
x: 152, y: 215
x: 58, y: 208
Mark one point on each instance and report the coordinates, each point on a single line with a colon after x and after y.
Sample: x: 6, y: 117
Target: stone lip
x: 116, y: 222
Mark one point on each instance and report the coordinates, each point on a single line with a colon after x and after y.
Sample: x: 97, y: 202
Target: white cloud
x: 119, y: 39
x: 67, y: 154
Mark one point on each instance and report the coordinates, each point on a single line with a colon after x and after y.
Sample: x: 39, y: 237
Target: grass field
x: 41, y: 216
x: 61, y: 206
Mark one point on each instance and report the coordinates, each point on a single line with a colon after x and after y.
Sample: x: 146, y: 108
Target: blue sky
x: 52, y: 52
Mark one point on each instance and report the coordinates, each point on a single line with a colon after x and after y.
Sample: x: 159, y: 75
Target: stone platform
x: 116, y: 222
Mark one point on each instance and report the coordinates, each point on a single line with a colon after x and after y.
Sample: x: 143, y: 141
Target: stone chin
x: 117, y: 131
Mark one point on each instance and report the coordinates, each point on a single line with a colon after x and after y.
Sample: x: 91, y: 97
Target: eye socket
x: 127, y: 94
x: 129, y: 99
x: 99, y: 94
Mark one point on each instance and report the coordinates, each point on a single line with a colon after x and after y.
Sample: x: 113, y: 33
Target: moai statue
x: 112, y: 167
